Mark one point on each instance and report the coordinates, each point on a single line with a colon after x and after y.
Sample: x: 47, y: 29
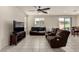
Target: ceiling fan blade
x: 45, y: 9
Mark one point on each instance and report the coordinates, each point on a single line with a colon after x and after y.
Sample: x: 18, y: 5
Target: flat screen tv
x: 18, y: 26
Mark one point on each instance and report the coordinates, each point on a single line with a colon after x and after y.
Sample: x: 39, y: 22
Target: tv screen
x: 18, y: 26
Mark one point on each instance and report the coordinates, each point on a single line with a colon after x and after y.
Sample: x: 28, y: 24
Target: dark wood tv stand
x: 17, y: 37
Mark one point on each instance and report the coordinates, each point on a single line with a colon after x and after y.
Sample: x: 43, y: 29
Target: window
x: 39, y: 22
x: 65, y: 23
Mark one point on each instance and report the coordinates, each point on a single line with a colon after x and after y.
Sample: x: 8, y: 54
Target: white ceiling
x: 55, y: 10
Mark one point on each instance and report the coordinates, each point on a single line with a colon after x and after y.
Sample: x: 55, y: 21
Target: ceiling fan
x: 43, y: 10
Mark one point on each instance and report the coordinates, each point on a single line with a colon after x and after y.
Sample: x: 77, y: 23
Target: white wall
x: 7, y: 15
x: 50, y: 21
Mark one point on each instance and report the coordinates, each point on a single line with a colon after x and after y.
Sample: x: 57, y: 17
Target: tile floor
x: 40, y: 44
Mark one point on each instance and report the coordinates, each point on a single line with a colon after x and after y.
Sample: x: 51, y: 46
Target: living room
x: 48, y: 18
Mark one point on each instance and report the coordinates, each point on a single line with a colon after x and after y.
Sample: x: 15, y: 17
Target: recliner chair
x: 59, y: 40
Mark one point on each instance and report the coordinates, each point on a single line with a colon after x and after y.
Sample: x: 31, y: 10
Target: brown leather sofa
x: 58, y: 40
